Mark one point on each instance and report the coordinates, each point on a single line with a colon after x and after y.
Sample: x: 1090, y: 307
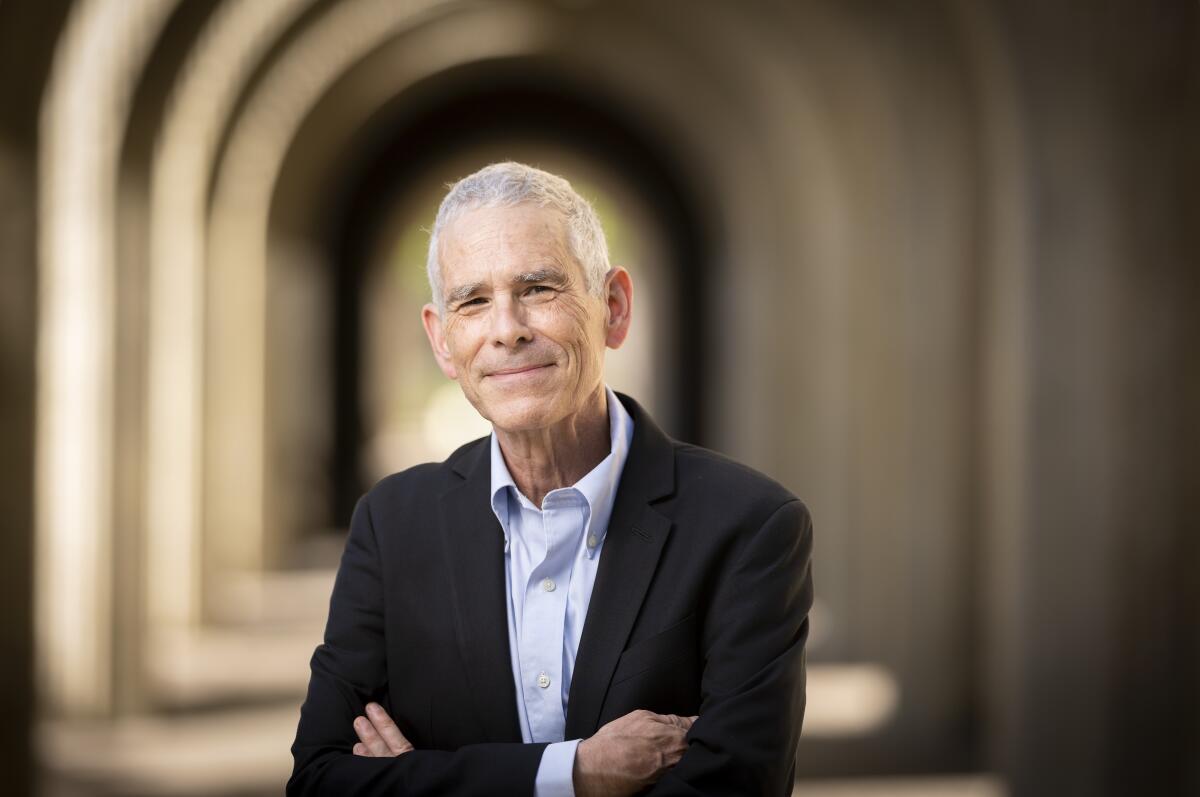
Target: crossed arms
x: 742, y: 742
x: 622, y: 758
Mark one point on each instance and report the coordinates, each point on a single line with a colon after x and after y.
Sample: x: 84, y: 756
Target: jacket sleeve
x: 752, y: 690
x: 349, y: 669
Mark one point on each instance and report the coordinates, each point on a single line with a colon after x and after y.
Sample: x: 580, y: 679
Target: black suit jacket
x: 700, y: 606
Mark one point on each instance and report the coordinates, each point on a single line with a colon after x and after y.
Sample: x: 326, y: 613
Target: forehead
x: 492, y: 240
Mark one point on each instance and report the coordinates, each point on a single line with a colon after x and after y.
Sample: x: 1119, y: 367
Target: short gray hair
x: 510, y: 183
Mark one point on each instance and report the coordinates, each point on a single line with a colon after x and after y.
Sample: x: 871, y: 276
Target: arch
x: 82, y: 124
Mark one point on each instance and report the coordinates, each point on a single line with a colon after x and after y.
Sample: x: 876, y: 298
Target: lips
x: 523, y: 369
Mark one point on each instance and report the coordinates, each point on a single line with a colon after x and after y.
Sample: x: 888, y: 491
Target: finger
x: 388, y: 729
x: 376, y: 746
x: 677, y: 721
x: 360, y: 749
x: 359, y: 730
x: 675, y: 752
x: 671, y: 750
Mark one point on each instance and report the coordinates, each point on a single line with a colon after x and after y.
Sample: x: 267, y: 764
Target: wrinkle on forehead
x: 486, y: 243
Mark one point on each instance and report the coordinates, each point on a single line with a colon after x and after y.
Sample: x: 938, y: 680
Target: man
x: 576, y: 604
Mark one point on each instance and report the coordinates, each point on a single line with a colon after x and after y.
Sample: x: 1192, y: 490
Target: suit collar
x: 651, y: 456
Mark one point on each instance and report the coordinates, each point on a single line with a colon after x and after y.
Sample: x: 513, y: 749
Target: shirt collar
x: 599, y: 486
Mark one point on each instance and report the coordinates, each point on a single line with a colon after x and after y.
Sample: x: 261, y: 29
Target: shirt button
x: 548, y: 585
x: 592, y: 540
x: 543, y: 680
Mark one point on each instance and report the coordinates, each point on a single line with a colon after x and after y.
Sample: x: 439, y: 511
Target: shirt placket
x: 545, y: 608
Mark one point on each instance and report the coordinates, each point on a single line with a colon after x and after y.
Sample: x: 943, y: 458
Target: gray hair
x: 510, y: 183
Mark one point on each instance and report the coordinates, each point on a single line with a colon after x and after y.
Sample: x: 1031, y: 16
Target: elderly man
x: 576, y: 604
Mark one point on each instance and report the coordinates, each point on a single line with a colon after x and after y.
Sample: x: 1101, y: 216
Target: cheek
x: 460, y: 337
x: 575, y: 328
x: 450, y: 330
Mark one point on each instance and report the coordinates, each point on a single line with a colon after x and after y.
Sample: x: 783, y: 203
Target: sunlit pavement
x: 956, y: 786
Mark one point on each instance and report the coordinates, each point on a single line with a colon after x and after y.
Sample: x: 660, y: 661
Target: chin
x: 519, y: 413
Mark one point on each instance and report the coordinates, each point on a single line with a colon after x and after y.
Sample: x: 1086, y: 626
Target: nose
x: 509, y: 327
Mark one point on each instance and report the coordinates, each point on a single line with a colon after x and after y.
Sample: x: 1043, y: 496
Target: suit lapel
x: 474, y: 549
x: 632, y: 546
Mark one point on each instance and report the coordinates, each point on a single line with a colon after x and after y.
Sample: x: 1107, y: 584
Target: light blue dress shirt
x: 551, y: 557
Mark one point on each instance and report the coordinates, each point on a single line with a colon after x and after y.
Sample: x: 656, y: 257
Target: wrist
x: 580, y: 769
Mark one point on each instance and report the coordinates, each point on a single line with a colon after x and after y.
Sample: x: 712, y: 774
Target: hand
x: 378, y: 736
x: 629, y: 753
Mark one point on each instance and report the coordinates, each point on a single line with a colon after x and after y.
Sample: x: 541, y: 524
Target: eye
x: 477, y: 301
x: 534, y: 290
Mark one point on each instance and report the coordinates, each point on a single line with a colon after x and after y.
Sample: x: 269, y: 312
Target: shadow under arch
x: 489, y: 103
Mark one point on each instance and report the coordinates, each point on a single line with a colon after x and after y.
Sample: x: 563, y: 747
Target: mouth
x: 525, y: 370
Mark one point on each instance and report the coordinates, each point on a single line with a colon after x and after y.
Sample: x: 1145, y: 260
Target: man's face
x: 520, y: 331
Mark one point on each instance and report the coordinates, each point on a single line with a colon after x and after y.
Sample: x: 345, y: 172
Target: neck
x: 541, y: 460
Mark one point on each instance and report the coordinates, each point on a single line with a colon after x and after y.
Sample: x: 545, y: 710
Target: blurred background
x: 934, y: 265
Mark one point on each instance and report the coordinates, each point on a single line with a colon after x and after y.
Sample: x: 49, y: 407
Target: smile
x: 528, y: 370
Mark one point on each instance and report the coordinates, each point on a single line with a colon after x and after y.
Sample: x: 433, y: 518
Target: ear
x: 435, y: 331
x: 618, y: 295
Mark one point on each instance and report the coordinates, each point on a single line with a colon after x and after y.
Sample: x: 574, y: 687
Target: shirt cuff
x: 554, y: 775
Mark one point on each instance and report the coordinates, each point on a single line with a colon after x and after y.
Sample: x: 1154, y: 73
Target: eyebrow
x: 463, y: 292
x: 553, y: 276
